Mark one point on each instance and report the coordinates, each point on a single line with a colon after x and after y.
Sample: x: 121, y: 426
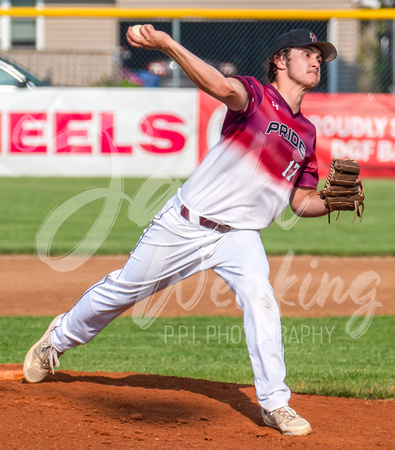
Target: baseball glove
x: 343, y: 190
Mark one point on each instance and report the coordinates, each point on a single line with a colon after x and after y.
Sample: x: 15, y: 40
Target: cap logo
x: 313, y: 37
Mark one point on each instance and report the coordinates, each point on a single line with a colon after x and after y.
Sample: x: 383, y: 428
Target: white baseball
x: 136, y: 30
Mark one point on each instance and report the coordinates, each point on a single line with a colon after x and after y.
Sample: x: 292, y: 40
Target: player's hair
x: 271, y: 68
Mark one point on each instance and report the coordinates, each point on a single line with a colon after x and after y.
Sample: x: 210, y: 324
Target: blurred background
x: 83, y: 47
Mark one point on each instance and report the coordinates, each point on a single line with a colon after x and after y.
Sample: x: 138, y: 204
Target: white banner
x: 99, y: 132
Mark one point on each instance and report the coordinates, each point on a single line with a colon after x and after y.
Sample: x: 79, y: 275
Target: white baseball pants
x: 169, y: 250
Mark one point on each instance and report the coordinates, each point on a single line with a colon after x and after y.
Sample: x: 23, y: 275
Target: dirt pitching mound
x: 98, y: 410
x: 75, y: 410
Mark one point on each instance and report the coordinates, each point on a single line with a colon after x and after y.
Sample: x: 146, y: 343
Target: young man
x: 264, y: 160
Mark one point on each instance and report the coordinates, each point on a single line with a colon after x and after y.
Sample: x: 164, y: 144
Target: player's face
x: 304, y: 66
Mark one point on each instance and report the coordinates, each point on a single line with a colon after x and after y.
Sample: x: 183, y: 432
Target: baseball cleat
x: 41, y: 358
x: 286, y: 421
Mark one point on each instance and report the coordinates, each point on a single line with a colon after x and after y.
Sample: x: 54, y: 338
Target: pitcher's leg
x: 170, y: 250
x: 166, y: 253
x: 98, y: 306
x: 262, y: 327
x: 247, y: 274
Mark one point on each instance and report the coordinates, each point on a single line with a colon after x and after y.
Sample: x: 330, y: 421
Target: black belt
x: 184, y: 211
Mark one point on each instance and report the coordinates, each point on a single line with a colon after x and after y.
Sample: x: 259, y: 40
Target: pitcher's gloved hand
x: 343, y: 190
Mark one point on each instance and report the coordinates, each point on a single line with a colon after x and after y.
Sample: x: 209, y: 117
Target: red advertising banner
x: 355, y: 126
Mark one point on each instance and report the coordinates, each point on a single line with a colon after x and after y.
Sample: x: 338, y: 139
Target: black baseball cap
x: 302, y: 37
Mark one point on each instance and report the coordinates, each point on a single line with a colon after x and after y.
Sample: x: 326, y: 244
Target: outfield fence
x: 87, y: 46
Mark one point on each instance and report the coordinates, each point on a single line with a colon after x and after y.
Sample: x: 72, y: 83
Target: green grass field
x: 332, y: 363
x: 25, y: 203
x: 321, y: 357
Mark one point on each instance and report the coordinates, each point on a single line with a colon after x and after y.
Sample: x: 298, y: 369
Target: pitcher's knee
x: 255, y: 290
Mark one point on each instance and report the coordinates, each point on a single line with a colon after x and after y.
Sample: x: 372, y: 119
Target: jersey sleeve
x: 255, y: 95
x: 309, y: 177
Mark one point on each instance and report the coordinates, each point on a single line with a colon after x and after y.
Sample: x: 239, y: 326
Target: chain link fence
x: 92, y: 51
x: 233, y: 47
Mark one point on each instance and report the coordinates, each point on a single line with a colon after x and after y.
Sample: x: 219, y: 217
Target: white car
x: 14, y: 77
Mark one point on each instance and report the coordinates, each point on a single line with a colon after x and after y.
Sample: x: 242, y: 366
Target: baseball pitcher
x: 265, y: 159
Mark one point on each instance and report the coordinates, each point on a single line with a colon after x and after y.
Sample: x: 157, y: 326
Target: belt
x: 184, y: 211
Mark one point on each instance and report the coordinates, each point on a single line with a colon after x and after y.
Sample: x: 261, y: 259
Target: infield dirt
x: 75, y: 410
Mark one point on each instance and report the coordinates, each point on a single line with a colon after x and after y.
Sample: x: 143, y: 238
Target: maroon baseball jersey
x: 246, y: 180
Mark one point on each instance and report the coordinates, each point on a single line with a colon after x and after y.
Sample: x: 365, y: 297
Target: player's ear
x: 280, y: 61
